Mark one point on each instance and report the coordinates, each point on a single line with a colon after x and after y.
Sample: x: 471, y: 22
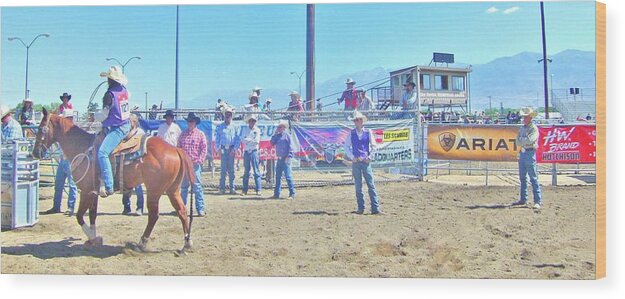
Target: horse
x: 162, y: 170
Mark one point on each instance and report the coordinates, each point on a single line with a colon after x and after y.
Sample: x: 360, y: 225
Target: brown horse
x: 162, y: 170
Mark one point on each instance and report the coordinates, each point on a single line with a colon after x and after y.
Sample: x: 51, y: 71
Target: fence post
x: 486, y: 173
x: 554, y: 174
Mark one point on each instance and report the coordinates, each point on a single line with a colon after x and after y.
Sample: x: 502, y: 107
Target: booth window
x: 457, y: 83
x: 424, y: 81
x: 441, y: 82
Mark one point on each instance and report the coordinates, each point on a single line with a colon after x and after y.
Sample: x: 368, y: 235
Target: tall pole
x: 310, y: 56
x: 176, y: 97
x: 146, y: 101
x: 26, y: 91
x: 551, y: 85
x: 490, y: 104
x: 542, y: 22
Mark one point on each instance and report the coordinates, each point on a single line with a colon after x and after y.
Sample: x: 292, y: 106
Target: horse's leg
x: 87, y: 200
x: 154, y: 194
x: 176, y: 201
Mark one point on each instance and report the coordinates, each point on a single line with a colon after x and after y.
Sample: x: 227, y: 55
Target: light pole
x: 123, y: 64
x: 27, y: 51
x: 299, y: 77
x: 490, y: 104
x: 146, y: 101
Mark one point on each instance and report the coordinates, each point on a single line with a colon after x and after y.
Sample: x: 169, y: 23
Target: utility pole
x: 176, y: 96
x: 310, y: 56
x: 542, y: 22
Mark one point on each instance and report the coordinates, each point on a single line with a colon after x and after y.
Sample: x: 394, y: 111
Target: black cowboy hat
x: 169, y: 113
x: 68, y: 96
x: 192, y: 118
x: 410, y: 83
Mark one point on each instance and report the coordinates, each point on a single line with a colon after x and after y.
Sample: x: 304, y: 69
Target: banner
x: 472, y: 142
x: 566, y: 144
x: 267, y: 129
x: 321, y: 144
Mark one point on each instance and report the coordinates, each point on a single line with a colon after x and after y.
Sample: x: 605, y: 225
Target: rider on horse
x: 115, y: 122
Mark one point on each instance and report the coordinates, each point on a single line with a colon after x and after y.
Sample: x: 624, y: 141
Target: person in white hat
x: 295, y: 105
x: 169, y: 130
x: 26, y: 115
x: 349, y: 96
x: 227, y: 142
x: 116, y: 113
x: 284, y: 152
x: 527, y: 140
x: 11, y: 128
x: 64, y: 173
x: 267, y: 105
x: 359, y: 147
x: 251, y: 159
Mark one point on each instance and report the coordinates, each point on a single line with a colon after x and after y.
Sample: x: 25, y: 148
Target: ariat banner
x: 472, y: 142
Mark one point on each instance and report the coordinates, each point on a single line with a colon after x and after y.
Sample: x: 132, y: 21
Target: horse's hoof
x: 188, y: 244
x: 97, y: 241
x: 180, y: 253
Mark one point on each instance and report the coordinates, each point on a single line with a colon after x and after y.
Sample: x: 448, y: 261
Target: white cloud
x: 511, y: 10
x: 492, y: 9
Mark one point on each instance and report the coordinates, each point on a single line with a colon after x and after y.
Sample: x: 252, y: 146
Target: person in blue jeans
x: 140, y: 200
x: 64, y: 173
x: 115, y: 117
x: 251, y: 160
x: 527, y: 140
x: 227, y: 142
x: 359, y: 146
x: 193, y: 143
x: 284, y: 152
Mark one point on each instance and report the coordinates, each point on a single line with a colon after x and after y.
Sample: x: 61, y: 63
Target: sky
x: 237, y: 47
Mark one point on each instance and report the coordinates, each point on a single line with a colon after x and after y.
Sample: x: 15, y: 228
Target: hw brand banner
x: 566, y: 144
x: 475, y: 142
x: 321, y: 144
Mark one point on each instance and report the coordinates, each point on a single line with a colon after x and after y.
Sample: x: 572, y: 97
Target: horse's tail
x: 187, y: 165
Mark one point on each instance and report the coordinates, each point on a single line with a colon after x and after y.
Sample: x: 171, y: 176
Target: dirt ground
x: 428, y: 229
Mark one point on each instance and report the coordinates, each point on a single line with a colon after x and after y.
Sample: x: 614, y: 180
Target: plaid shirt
x: 194, y: 144
x: 12, y: 130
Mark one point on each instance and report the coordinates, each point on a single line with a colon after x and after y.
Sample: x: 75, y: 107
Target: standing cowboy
x: 408, y: 100
x: 359, y: 145
x: 65, y: 97
x: 349, y: 96
x: 284, y: 151
x: 169, y: 130
x: 527, y: 140
x: 251, y: 141
x: 193, y: 142
x: 364, y: 102
x: 26, y: 116
x: 227, y: 141
x: 11, y: 129
x: 134, y: 120
x: 63, y: 173
x: 115, y: 115
x: 295, y: 105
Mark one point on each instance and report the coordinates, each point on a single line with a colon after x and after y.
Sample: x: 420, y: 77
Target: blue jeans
x: 227, y: 166
x: 360, y: 169
x: 64, y: 172
x: 196, y: 188
x: 110, y: 142
x: 527, y: 166
x: 126, y: 199
x: 282, y: 166
x: 251, y: 161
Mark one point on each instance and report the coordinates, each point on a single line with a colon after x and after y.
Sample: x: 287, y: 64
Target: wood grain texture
x: 600, y: 201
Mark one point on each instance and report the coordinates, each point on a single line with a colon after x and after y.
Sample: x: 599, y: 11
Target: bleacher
x: 572, y: 107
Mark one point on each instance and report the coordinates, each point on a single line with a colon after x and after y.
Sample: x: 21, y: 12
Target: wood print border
x: 600, y: 201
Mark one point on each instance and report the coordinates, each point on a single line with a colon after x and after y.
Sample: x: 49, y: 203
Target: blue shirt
x: 227, y: 136
x: 284, y: 146
x: 12, y: 130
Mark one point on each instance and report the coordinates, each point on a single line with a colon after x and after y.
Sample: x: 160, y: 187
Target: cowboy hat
x: 293, y: 93
x: 228, y: 109
x: 357, y: 114
x: 251, y: 117
x: 527, y: 111
x: 268, y: 100
x: 350, y: 81
x: 192, y: 118
x: 283, y: 123
x: 28, y: 100
x: 4, y: 110
x: 169, y: 113
x: 252, y: 95
x: 116, y: 74
x: 410, y: 83
x: 257, y: 88
x: 65, y: 95
x: 68, y: 113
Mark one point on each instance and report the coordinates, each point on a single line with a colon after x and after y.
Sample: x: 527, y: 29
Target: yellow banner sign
x: 472, y: 142
x: 396, y: 135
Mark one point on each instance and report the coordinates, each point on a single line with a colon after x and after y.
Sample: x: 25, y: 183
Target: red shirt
x: 62, y: 107
x: 194, y: 144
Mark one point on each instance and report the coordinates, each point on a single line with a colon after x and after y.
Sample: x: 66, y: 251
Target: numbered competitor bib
x: 124, y: 105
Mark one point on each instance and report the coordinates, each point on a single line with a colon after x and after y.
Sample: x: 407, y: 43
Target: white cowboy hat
x: 527, y: 111
x: 283, y: 123
x: 115, y: 73
x: 250, y: 117
x: 257, y: 88
x: 68, y: 113
x: 268, y: 100
x: 294, y: 93
x: 252, y: 95
x: 357, y: 114
x: 228, y: 109
x: 28, y: 100
x: 4, y: 110
x: 350, y: 81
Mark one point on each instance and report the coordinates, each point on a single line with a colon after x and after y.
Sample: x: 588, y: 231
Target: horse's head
x: 45, y: 136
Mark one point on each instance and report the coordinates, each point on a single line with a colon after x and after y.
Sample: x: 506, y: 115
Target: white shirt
x: 251, y: 138
x: 409, y: 99
x: 347, y: 146
x: 169, y: 133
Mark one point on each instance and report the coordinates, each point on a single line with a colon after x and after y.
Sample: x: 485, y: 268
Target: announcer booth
x: 438, y: 86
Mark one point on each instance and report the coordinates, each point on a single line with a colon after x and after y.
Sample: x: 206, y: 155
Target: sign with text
x: 566, y: 144
x: 474, y: 142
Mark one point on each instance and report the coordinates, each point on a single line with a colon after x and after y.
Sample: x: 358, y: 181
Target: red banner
x: 566, y: 144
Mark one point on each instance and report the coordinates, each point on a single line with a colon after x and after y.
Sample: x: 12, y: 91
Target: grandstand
x: 572, y: 106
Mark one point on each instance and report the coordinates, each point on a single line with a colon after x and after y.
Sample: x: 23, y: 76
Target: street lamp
x: 27, y: 51
x: 123, y: 64
x: 299, y: 77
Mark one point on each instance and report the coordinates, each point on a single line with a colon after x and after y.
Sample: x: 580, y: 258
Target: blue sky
x: 235, y: 47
